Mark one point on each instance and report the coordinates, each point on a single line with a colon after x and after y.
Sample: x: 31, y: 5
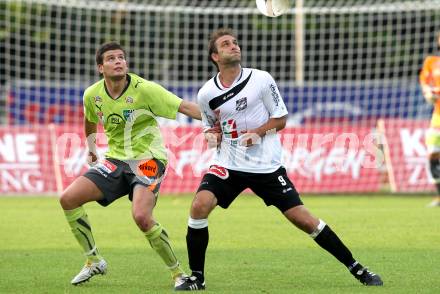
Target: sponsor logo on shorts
x: 219, y: 171
x: 149, y: 171
x: 105, y: 167
x: 148, y: 168
x: 110, y: 166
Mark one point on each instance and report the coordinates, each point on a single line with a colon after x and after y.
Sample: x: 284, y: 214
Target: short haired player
x: 127, y: 106
x: 250, y: 110
x: 430, y: 83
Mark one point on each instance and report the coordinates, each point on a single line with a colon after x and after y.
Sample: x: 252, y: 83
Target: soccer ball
x: 273, y: 8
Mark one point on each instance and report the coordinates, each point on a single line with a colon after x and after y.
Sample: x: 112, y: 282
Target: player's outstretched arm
x: 190, y: 109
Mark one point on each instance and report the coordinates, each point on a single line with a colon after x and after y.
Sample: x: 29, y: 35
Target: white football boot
x: 89, y: 270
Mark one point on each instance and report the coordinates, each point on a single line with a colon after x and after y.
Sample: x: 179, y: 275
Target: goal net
x: 347, y: 71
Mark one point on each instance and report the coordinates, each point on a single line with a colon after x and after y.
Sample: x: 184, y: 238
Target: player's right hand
x: 213, y: 135
x: 92, y: 159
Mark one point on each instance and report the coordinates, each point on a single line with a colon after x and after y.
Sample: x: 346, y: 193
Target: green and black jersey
x: 129, y: 120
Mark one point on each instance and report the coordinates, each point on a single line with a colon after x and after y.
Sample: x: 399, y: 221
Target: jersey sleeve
x: 89, y: 108
x: 162, y: 102
x: 272, y: 98
x: 208, y: 115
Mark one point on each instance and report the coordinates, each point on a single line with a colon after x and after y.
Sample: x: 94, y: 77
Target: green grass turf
x: 252, y: 249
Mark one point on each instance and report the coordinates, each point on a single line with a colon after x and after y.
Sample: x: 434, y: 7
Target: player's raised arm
x: 190, y: 109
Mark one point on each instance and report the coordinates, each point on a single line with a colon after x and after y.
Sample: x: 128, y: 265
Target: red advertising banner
x: 26, y: 165
x: 406, y: 155
x: 332, y: 158
x: 325, y: 159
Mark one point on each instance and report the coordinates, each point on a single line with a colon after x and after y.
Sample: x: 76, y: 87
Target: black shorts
x: 274, y: 188
x: 434, y: 167
x: 117, y: 178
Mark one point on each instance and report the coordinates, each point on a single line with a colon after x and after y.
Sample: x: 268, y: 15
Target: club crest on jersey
x: 241, y: 104
x: 218, y: 171
x: 98, y: 99
x: 129, y: 99
x: 229, y: 128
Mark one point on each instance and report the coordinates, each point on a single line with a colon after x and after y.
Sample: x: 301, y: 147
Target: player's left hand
x: 249, y: 138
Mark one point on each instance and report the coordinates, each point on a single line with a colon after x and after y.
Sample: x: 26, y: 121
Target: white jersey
x: 247, y: 104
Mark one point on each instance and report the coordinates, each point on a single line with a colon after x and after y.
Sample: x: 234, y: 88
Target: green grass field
x: 252, y: 249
